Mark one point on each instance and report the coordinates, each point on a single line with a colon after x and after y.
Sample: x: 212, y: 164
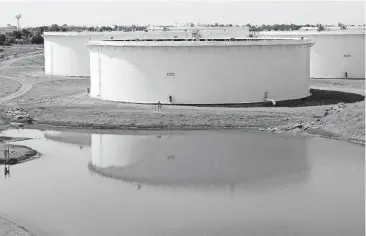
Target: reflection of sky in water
x: 60, y: 194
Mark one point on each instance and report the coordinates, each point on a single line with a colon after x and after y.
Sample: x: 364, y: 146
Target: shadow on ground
x: 317, y: 98
x: 323, y: 97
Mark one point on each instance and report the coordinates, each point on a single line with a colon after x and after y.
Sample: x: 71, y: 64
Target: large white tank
x: 200, y: 72
x: 334, y: 53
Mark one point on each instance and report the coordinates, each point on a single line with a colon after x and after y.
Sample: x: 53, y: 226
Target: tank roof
x: 200, y: 42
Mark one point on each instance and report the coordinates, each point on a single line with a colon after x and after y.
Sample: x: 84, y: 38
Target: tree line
x: 23, y: 36
x: 34, y: 35
x: 73, y: 28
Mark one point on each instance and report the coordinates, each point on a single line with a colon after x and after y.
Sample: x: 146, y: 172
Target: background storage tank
x: 334, y: 53
x: 200, y: 72
x: 66, y: 53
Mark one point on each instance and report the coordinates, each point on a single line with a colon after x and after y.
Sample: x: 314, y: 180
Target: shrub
x: 17, y: 34
x: 37, y: 39
x: 2, y: 39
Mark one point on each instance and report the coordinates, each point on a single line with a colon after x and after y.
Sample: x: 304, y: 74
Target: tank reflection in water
x: 81, y: 139
x: 199, y: 159
x: 186, y: 183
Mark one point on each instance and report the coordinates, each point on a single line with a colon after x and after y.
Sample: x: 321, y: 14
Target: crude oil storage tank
x: 66, y: 53
x: 335, y: 54
x: 203, y: 71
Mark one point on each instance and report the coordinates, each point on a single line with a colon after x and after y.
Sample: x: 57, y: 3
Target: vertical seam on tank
x: 51, y: 46
x: 99, y: 73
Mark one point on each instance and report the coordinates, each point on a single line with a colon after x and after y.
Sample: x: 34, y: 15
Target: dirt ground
x: 8, y: 52
x: 8, y: 86
x: 12, y: 229
x: 63, y: 102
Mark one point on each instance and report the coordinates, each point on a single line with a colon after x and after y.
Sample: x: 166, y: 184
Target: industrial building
x: 214, y: 32
x: 336, y: 54
x: 203, y: 71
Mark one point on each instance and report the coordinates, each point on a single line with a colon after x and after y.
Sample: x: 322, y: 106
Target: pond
x: 185, y: 183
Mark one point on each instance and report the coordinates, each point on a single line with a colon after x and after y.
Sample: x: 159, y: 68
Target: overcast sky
x: 169, y: 12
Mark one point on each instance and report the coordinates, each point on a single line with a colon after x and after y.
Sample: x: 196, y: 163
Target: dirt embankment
x: 9, y: 52
x: 340, y: 120
x: 11, y: 229
x: 343, y: 121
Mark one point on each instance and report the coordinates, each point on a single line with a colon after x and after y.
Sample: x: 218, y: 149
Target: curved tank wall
x: 200, y: 72
x: 66, y: 53
x: 333, y: 53
x: 198, y: 157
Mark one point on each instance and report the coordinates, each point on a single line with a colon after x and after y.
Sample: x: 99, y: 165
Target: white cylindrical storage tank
x: 67, y: 54
x: 334, y: 53
x: 200, y: 72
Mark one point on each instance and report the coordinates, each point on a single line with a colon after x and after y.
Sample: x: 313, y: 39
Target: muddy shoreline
x: 310, y: 132
x: 332, y: 121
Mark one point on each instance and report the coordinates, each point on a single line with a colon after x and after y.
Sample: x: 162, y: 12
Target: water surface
x: 186, y: 183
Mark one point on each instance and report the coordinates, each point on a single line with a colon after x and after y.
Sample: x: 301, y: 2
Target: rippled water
x: 186, y: 183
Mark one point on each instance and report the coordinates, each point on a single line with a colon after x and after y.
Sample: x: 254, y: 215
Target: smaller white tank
x: 67, y: 54
x: 335, y: 54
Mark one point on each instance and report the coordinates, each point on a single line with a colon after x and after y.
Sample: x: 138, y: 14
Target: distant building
x: 308, y: 28
x: 356, y: 28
